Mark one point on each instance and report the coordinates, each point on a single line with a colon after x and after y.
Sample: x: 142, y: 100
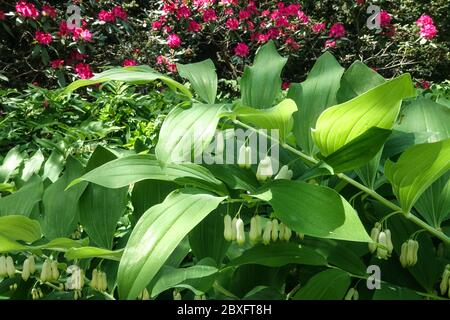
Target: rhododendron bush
x: 412, y: 37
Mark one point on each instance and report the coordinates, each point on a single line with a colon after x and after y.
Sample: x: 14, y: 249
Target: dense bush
x: 37, y: 47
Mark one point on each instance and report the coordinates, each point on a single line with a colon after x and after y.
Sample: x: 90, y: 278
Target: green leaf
x: 8, y: 245
x: 313, y: 96
x: 101, y: 208
x: 206, y: 239
x: 416, y: 169
x: 313, y: 210
x: 23, y: 201
x: 60, y: 205
x: 186, y: 133
x: 378, y: 107
x: 279, y: 254
x: 234, y: 176
x: 131, y: 169
x: 393, y: 292
x: 32, y: 165
x: 327, y: 285
x: 278, y: 117
x: 62, y: 244
x: 20, y: 228
x: 11, y: 162
x: 261, y: 83
x: 134, y: 75
x: 368, y: 172
x: 357, y: 79
x: 93, y: 252
x: 359, y: 151
x: 202, y: 75
x: 434, y: 203
x: 170, y: 277
x: 157, y: 234
x: 53, y: 166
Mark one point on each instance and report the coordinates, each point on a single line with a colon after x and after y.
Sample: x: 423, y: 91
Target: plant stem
x: 408, y: 215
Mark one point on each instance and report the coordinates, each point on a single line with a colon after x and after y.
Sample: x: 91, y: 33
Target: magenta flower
x: 55, y: 64
x: 84, y: 70
x: 106, y: 16
x: 318, y: 27
x: 424, y: 20
x: 173, y: 41
x: 385, y: 19
x: 118, y: 12
x: 337, y: 30
x: 43, y: 37
x: 209, y: 15
x: 194, y: 26
x: 27, y: 10
x: 49, y: 11
x: 232, y: 23
x: 241, y: 50
x: 330, y: 43
x: 129, y: 63
x: 2, y: 15
x: 428, y: 31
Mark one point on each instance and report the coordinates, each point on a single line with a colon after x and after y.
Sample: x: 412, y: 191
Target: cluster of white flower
x: 29, y: 268
x: 99, y: 280
x: 382, y: 242
x: 408, y: 254
x: 49, y: 271
x: 7, y: 267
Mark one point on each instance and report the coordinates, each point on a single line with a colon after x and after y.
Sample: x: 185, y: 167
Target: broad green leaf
x: 8, y: 245
x: 261, y: 83
x: 206, y: 239
x: 357, y: 79
x: 62, y: 244
x: 378, y: 107
x: 313, y: 210
x: 11, y: 162
x: 135, y: 75
x: 263, y: 293
x: 53, y: 166
x: 434, y: 203
x: 157, y: 234
x: 234, y: 176
x: 60, y: 205
x: 416, y: 169
x: 92, y: 252
x: 100, y: 207
x: 186, y: 133
x: 169, y: 277
x: 278, y: 117
x: 368, y: 172
x: 313, y: 96
x: 393, y: 292
x: 327, y: 285
x: 20, y: 228
x: 279, y: 254
x: 359, y: 151
x: 131, y: 169
x: 24, y: 200
x: 203, y: 78
x: 425, y: 116
x: 32, y: 165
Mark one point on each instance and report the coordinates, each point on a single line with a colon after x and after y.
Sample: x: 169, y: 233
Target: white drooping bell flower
x: 267, y: 234
x: 94, y: 281
x: 281, y: 231
x: 445, y: 281
x: 389, y: 245
x: 103, y: 282
x: 240, y: 234
x: 26, y: 270
x: 228, y: 230
x: 287, y: 233
x: 255, y: 229
x: 300, y: 235
x: 382, y: 251
x: 265, y: 169
x: 3, y: 272
x: 54, y: 271
x: 233, y: 229
x: 76, y: 280
x: 375, y: 232
x: 275, y: 230
x: 408, y: 253
x: 32, y: 264
x: 284, y: 173
x: 46, y: 272
x: 10, y: 269
x: 245, y: 157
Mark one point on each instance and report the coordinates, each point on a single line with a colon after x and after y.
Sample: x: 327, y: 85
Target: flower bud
x: 259, y: 225
x: 267, y: 232
x: 240, y: 234
x: 10, y: 269
x: 287, y: 233
x: 26, y: 270
x: 40, y: 293
x: 227, y: 231
x: 54, y: 270
x: 34, y: 294
x: 445, y: 280
x: 374, y: 233
x: 245, y: 157
x: 3, y: 272
x: 403, y: 254
x: 411, y: 255
x: 32, y: 264
x: 382, y: 252
x: 94, y: 281
x: 46, y: 271
x: 275, y: 230
x: 284, y: 173
x: 389, y: 245
x: 254, y: 228
x: 176, y: 295
x: 145, y: 295
x: 103, y: 281
x: 264, y: 170
x: 233, y: 229
x: 300, y: 235
x: 282, y: 231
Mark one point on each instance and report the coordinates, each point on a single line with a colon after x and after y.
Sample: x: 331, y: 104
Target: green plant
x: 359, y: 158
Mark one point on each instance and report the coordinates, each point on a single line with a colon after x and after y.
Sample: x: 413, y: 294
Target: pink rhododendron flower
x: 173, y: 41
x: 84, y: 70
x: 129, y: 63
x: 232, y: 23
x: 385, y: 19
x: 209, y: 15
x: 172, y: 67
x: 424, y: 84
x: 250, y: 25
x: 106, y: 16
x: 428, y: 31
x: 244, y: 14
x: 162, y: 60
x: 75, y: 55
x: 337, y: 30
x: 318, y: 27
x: 263, y: 38
x: 330, y: 43
x: 156, y: 25
x: 63, y: 29
x: 43, y: 37
x: 194, y: 26
x: 424, y: 20
x: 86, y: 35
x: 118, y: 12
x: 183, y: 12
x: 285, y: 85
x: 291, y: 43
x: 55, y: 64
x: 303, y: 17
x: 27, y: 10
x: 241, y: 50
x: 273, y: 33
x: 49, y: 11
x: 228, y: 12
x: 2, y: 15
